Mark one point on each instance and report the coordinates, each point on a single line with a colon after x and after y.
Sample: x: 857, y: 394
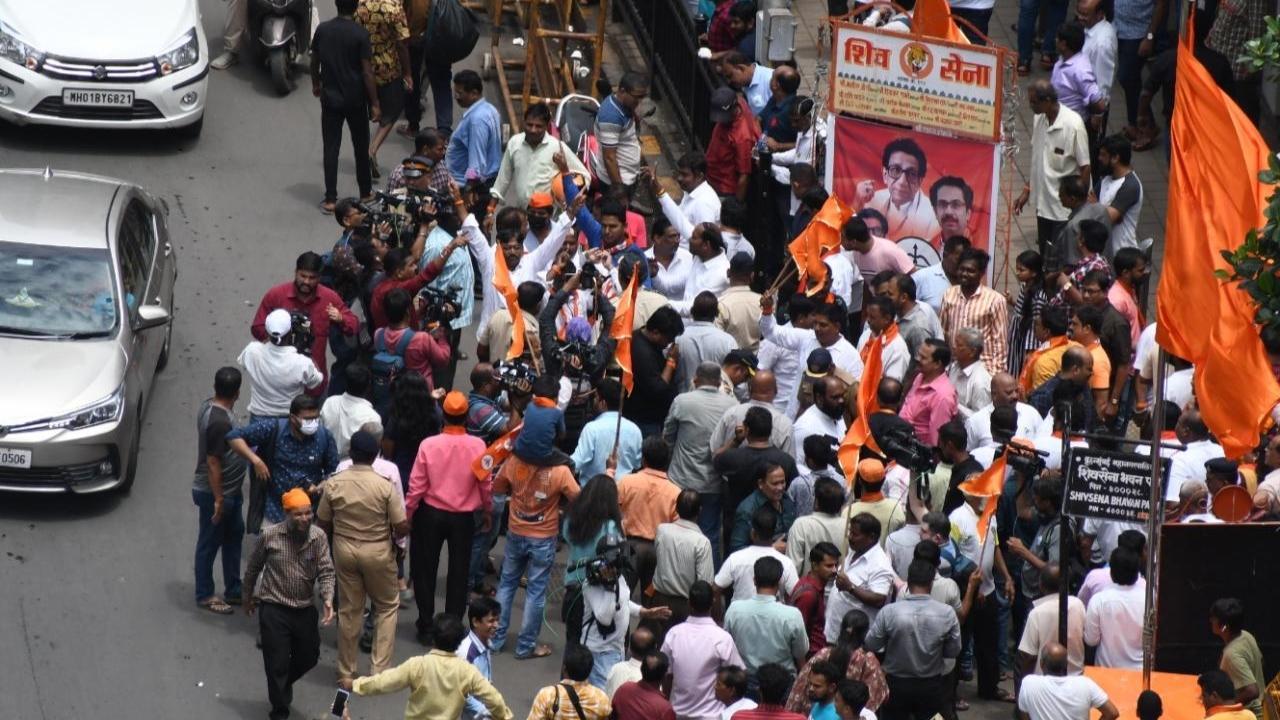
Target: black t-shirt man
x: 342, y: 47
x: 212, y: 425
x: 739, y: 467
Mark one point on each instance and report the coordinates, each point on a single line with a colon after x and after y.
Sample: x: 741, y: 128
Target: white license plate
x: 97, y: 98
x: 13, y: 457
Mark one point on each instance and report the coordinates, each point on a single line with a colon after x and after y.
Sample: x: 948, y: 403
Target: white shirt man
x: 964, y: 529
x: 533, y: 265
x: 277, y: 373
x: 814, y: 421
x: 870, y: 570
x: 710, y: 275
x: 1058, y: 697
x: 342, y: 415
x: 699, y: 205
x: 1113, y: 622
x: 894, y: 358
x: 739, y: 572
x: 1042, y: 629
x: 1188, y: 465
x: 1100, y: 45
x: 1058, y: 148
x: 973, y: 387
x: 931, y: 284
x: 845, y: 280
x: 803, y: 341
x: 671, y: 279
x: 978, y: 425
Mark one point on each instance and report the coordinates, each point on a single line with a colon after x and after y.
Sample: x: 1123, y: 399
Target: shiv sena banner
x: 927, y: 187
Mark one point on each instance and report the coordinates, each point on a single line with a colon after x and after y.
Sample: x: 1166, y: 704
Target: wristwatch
x: 1151, y: 36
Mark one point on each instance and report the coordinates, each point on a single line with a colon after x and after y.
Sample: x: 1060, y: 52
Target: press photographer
x: 457, y: 271
x: 604, y: 625
x: 277, y: 371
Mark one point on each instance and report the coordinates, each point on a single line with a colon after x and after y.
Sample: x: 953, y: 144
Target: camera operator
x: 403, y: 273
x: 277, y: 372
x: 604, y: 622
x: 321, y: 305
x: 578, y: 363
x: 457, y: 276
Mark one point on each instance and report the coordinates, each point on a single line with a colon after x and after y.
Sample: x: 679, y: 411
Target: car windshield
x: 55, y: 291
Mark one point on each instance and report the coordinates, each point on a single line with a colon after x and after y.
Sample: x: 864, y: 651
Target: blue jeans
x: 1028, y: 13
x: 604, y: 662
x: 484, y: 540
x: 535, y: 555
x: 225, y: 536
x: 710, y: 521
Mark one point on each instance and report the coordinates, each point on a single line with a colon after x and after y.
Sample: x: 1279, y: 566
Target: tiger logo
x: 916, y: 60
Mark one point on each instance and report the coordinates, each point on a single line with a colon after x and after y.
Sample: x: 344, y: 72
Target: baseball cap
x: 279, y: 322
x: 741, y: 264
x: 742, y: 357
x: 871, y: 471
x: 819, y: 363
x: 722, y: 102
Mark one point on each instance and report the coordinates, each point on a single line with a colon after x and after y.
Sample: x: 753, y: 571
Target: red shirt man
x: 644, y: 700
x: 810, y: 594
x: 729, y: 152
x: 322, y: 305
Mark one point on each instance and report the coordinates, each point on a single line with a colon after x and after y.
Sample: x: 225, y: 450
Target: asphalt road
x: 97, y: 593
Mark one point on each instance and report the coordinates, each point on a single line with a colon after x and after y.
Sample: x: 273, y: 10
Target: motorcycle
x: 284, y: 29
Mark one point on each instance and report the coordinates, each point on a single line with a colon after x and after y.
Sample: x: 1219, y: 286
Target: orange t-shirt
x: 535, y: 496
x: 1101, y: 377
x: 647, y: 499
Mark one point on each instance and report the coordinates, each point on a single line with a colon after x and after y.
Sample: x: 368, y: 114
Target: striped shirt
x: 985, y: 310
x: 553, y: 702
x: 284, y: 572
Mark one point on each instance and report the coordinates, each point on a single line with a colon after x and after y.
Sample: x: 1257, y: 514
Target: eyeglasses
x: 956, y: 205
x: 896, y: 171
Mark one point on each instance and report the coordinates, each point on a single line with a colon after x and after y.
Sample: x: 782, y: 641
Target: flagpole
x: 617, y: 430
x: 1155, y: 516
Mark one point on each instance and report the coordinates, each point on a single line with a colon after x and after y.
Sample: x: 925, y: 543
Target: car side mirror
x: 150, y: 316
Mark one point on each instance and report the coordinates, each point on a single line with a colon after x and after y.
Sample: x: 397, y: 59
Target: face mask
x: 309, y: 427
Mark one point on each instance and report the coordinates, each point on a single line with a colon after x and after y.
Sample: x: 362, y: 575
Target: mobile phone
x: 339, y: 703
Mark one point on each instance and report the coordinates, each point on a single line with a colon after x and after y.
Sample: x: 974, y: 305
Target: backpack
x: 451, y: 33
x: 386, y: 364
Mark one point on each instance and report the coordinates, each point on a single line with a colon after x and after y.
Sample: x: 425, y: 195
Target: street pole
x: 1064, y: 550
x: 1155, y: 517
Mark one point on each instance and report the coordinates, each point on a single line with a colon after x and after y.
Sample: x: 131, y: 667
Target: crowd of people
x: 678, y: 481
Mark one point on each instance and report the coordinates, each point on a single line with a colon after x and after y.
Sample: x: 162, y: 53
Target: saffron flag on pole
x: 989, y: 485
x: 933, y: 17
x: 502, y: 283
x: 820, y: 236
x: 623, y: 320
x: 495, y: 454
x: 1215, y: 199
x: 859, y: 433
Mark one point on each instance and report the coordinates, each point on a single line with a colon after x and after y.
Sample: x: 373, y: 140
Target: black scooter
x: 283, y: 30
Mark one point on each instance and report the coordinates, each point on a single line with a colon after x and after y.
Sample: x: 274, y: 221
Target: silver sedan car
x: 87, y: 274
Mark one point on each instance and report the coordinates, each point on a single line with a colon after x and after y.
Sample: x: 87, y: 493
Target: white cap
x: 279, y: 323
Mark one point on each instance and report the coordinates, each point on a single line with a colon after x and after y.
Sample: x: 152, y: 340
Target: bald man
x: 1004, y: 392
x: 824, y: 417
x: 762, y: 390
x: 1077, y: 366
x: 1055, y: 695
x: 1188, y: 465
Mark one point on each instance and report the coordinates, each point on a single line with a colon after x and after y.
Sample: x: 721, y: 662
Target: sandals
x: 216, y: 605
x: 539, y: 651
x: 327, y: 207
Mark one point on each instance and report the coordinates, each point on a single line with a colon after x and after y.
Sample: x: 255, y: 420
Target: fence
x: 666, y: 34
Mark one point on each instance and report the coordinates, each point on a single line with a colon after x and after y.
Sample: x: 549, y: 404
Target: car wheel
x: 131, y: 468
x: 281, y: 65
x: 164, y: 351
x: 192, y: 131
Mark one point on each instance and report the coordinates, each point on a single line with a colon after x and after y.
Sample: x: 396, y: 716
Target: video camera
x: 300, y: 334
x: 515, y: 376
x: 612, y: 559
x: 438, y: 307
x: 1024, y: 460
x: 902, y: 446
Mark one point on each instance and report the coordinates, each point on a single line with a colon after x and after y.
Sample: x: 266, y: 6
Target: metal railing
x: 667, y: 35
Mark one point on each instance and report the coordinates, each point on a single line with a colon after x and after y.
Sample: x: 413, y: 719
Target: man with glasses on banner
x: 909, y: 212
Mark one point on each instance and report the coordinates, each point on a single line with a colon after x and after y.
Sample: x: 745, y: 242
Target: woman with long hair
x: 414, y: 417
x: 1029, y: 269
x: 593, y: 515
x: 859, y: 663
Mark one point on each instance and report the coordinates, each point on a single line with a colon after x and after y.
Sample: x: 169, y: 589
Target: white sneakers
x: 224, y: 61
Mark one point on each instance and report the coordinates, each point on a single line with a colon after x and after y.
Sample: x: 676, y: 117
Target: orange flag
x: 495, y: 454
x: 502, y: 282
x: 1217, y: 155
x: 859, y: 433
x: 820, y: 236
x: 933, y: 17
x: 988, y: 485
x: 623, y: 319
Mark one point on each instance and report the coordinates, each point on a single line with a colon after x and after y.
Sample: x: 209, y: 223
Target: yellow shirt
x: 439, y: 683
x: 1047, y: 361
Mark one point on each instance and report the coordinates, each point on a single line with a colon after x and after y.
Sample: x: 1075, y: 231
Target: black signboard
x: 1110, y: 485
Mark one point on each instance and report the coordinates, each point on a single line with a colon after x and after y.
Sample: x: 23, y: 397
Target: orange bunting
x: 859, y: 433
x: 988, y: 485
x: 1217, y: 156
x: 623, y: 320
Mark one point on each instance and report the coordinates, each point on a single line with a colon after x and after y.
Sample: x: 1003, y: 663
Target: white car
x: 103, y: 63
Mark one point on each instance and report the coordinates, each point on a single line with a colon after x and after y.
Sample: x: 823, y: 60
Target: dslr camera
x: 438, y: 307
x: 300, y: 334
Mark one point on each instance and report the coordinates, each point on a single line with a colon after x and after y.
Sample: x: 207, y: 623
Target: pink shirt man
x: 884, y: 255
x: 928, y: 406
x: 698, y: 648
x: 1123, y: 302
x: 442, y: 476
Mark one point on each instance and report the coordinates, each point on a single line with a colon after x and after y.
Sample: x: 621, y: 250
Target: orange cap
x: 294, y: 499
x: 541, y: 200
x: 871, y: 470
x: 455, y: 403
